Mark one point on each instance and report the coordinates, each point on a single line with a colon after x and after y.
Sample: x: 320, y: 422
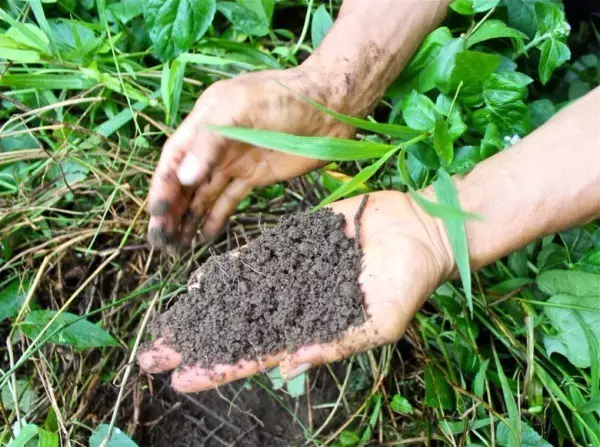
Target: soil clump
x: 296, y: 284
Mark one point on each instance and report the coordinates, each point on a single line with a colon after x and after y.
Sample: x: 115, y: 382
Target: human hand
x: 201, y: 176
x: 406, y: 255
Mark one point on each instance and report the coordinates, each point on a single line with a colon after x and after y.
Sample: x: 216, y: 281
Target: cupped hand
x: 406, y: 256
x: 201, y: 176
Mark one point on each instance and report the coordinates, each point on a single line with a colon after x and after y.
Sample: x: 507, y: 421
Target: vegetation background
x: 90, y: 89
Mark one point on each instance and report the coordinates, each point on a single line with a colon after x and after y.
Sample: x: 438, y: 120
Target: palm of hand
x: 404, y: 260
x: 201, y: 177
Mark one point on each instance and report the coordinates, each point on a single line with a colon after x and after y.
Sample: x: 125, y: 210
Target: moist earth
x: 294, y: 285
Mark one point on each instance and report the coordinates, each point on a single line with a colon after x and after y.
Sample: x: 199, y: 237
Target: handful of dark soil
x: 296, y: 284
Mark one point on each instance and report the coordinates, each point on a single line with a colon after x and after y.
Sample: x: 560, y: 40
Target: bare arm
x: 545, y: 184
x: 369, y: 45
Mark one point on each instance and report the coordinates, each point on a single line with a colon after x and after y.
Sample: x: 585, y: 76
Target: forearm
x: 369, y: 45
x: 545, y: 184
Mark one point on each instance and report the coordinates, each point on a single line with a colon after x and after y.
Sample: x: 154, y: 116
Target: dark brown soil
x: 295, y: 284
x: 244, y: 414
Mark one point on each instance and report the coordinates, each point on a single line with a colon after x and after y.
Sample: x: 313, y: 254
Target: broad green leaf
x: 349, y: 438
x: 67, y: 171
x: 26, y: 396
x: 26, y: 33
x: 551, y: 20
x: 522, y: 16
x: 554, y: 54
x: 427, y: 52
x: 74, y: 40
x: 460, y: 427
x: 12, y: 297
x: 472, y: 80
x: 297, y: 386
x: 360, y: 178
x: 447, y: 195
x: 17, y: 51
x: 567, y: 315
x: 244, y: 19
x: 493, y: 29
x: 321, y: 23
x: 464, y: 7
x: 47, y: 438
x: 126, y: 10
x: 72, y: 331
x: 511, y: 119
x: 491, y: 143
x: 509, y: 285
x: 442, y: 141
x: 438, y: 392
x: 419, y: 112
x: 26, y: 434
x: 425, y: 154
x: 484, y: 5
x: 528, y: 437
x: 401, y: 405
x: 590, y: 262
x: 323, y: 148
x: 174, y: 25
x: 465, y: 159
x: 504, y: 88
x: 440, y: 210
x: 568, y: 282
x: 117, y: 439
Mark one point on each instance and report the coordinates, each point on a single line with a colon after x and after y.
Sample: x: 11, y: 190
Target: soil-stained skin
x: 296, y: 284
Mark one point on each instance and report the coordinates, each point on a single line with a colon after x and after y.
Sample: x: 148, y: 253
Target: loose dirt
x: 295, y: 284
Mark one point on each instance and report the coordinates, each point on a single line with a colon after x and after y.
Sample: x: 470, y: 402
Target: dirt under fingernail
x: 296, y: 284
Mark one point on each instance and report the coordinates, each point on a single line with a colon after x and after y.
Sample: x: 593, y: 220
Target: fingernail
x: 300, y: 369
x: 188, y: 172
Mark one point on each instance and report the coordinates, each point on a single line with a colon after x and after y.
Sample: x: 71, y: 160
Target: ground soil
x: 295, y: 284
x: 241, y: 415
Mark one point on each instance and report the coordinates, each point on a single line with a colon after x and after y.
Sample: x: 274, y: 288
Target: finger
x: 224, y: 207
x: 159, y: 358
x: 355, y: 340
x: 193, y: 379
x: 202, y: 201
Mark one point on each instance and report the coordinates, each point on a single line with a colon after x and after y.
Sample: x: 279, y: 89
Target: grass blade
x: 322, y: 148
x: 364, y: 175
x: 446, y: 192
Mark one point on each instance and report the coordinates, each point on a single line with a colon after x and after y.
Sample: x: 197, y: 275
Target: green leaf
x: 438, y: 392
x: 484, y: 5
x: 472, y: 80
x: 551, y: 20
x: 26, y: 434
x: 126, y: 10
x: 297, y: 386
x: 465, y: 159
x: 349, y: 438
x: 493, y: 29
x: 590, y: 406
x: 419, y: 112
x: 174, y: 25
x: 171, y: 84
x: 554, y: 54
x: 401, y: 405
x: 568, y: 315
x: 360, y: 178
x: 440, y: 210
x: 522, y: 16
x: 528, y: 437
x: 442, y: 141
x: 26, y: 33
x: 541, y: 111
x: 117, y: 439
x: 72, y: 331
x: 511, y: 119
x: 464, y: 7
x: 504, y: 88
x: 558, y: 282
x: 427, y: 52
x: 12, y: 297
x: 244, y: 19
x: 514, y: 426
x: 26, y: 396
x: 590, y: 262
x: 321, y: 23
x: 447, y: 195
x: 47, y: 438
x: 491, y: 143
x: 479, y: 381
x: 323, y: 148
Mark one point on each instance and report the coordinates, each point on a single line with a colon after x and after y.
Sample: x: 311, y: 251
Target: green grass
x: 507, y: 356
